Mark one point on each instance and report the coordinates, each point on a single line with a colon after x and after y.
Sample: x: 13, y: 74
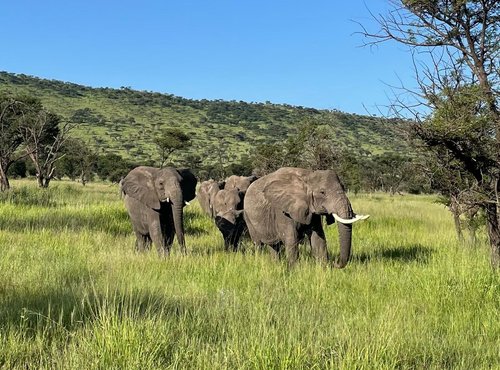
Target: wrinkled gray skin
x: 240, y: 183
x: 283, y: 207
x: 228, y: 207
x: 154, y: 199
x: 206, y: 195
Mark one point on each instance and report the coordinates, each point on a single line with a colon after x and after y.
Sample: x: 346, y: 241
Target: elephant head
x: 203, y: 196
x: 155, y: 188
x: 228, y: 204
x: 213, y: 190
x: 228, y: 207
x: 302, y: 193
x: 240, y: 183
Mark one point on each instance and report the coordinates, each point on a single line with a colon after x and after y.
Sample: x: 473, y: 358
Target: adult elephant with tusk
x: 283, y: 207
x: 155, y: 199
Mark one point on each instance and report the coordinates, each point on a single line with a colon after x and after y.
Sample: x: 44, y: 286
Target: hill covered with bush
x: 125, y: 121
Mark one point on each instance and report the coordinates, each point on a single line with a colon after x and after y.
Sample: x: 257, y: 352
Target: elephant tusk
x: 168, y: 200
x: 349, y: 221
x: 186, y: 203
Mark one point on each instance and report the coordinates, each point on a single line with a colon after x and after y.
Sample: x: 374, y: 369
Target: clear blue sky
x: 295, y: 52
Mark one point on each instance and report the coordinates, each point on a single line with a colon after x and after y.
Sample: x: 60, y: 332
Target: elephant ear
x: 139, y: 184
x: 290, y: 195
x: 188, y: 184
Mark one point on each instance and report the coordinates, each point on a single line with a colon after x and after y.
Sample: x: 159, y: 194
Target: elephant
x: 283, y: 207
x: 240, y: 183
x: 228, y: 207
x: 206, y: 195
x: 155, y: 199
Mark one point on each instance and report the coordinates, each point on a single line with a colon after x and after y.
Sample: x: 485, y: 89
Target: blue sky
x: 295, y: 52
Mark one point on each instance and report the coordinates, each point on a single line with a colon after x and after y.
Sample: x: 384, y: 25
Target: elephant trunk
x: 178, y: 215
x: 345, y: 219
x: 345, y: 238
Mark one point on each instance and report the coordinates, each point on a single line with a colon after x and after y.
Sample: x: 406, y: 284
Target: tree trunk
x: 458, y: 227
x: 493, y: 234
x: 39, y: 180
x: 4, y: 180
x: 43, y: 182
x: 83, y: 178
x: 46, y: 182
x: 456, y: 219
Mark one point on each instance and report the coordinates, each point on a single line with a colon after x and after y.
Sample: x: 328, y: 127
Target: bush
x: 18, y: 170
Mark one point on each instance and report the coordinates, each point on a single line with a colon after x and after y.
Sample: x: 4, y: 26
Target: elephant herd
x: 278, y: 210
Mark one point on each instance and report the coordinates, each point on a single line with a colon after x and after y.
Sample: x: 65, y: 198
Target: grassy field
x: 74, y: 294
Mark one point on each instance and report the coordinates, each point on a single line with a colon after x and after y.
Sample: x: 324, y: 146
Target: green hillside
x: 124, y: 121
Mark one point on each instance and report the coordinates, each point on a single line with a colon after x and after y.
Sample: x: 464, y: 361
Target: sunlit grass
x: 74, y: 294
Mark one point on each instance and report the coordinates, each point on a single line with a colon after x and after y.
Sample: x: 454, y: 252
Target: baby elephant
x: 155, y: 199
x: 228, y: 206
x: 223, y: 201
x: 206, y: 195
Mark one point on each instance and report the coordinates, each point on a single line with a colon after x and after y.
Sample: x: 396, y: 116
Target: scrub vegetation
x: 125, y: 122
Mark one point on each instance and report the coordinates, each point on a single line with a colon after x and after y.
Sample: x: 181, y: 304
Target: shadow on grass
x: 404, y: 254
x: 114, y: 222
x: 56, y: 311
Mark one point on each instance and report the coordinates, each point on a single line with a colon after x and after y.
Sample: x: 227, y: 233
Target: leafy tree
x: 459, y: 86
x: 18, y: 169
x: 11, y: 112
x: 311, y: 147
x: 169, y: 141
x: 194, y: 162
x: 79, y: 160
x: 241, y: 168
x: 112, y: 167
x: 267, y: 158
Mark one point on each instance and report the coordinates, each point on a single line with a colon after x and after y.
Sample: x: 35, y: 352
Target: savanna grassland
x: 75, y: 295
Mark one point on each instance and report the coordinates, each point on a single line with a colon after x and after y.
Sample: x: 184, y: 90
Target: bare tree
x: 43, y: 138
x: 457, y: 59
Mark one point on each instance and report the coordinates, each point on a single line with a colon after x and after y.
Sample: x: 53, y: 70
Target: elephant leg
x: 167, y: 230
x: 275, y: 250
x: 168, y: 237
x: 156, y: 234
x: 292, y: 253
x: 236, y: 235
x: 142, y: 242
x: 291, y: 246
x: 147, y: 242
x: 317, y: 240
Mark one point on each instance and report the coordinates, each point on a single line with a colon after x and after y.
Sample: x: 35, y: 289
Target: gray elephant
x: 228, y: 207
x: 285, y: 206
x: 154, y: 199
x: 206, y: 195
x: 240, y: 183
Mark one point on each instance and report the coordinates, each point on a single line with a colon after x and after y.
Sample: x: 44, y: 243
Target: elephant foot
x: 164, y: 252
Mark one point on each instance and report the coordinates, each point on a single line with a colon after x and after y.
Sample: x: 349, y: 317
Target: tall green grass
x: 74, y: 294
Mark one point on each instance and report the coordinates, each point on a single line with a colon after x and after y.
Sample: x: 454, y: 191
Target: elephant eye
x: 322, y: 192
